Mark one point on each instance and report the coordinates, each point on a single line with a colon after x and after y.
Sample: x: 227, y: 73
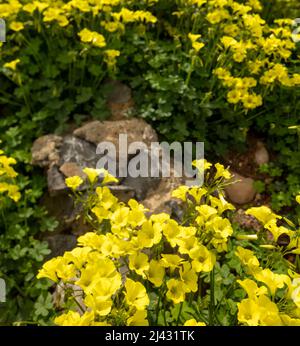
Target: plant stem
x: 157, y: 310
x: 212, y: 297
x: 179, y: 313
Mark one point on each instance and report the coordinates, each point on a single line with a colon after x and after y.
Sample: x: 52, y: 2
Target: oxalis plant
x: 27, y: 299
x: 138, y: 268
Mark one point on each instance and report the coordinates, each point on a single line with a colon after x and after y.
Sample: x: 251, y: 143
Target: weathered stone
x: 123, y: 193
x: 70, y: 169
x: 261, y: 154
x: 159, y: 199
x: 45, y: 150
x: 242, y: 190
x: 61, y: 207
x: 119, y: 100
x: 59, y: 243
x: 246, y: 221
x: 141, y: 185
x: 56, y: 181
x: 79, y: 151
x: 137, y: 130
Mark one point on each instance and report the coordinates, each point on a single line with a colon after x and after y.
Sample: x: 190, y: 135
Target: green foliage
x: 59, y: 80
x: 22, y: 254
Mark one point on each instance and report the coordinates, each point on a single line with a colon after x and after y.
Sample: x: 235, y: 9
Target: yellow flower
x: 113, y: 26
x: 248, y: 312
x: 197, y: 193
x: 111, y: 55
x: 234, y: 96
x: 92, y: 174
x: 202, y: 164
x: 269, y: 313
x: 139, y: 263
x: 298, y: 199
x: 263, y: 214
x: 252, y: 289
x: 107, y: 177
x: 206, y: 212
x: 217, y: 16
x: 74, y: 182
x: 138, y: 319
x: 92, y: 37
x: 176, y: 291
x: 288, y: 321
x: 137, y: 217
x: 196, y: 45
x: 120, y: 217
x: 102, y: 306
x: 186, y: 245
x: 13, y: 192
x: 180, y: 192
x: 171, y: 231
x: 272, y: 280
x: 193, y: 323
x: 221, y: 204
x: 155, y: 273
x: 222, y: 172
x: 78, y: 255
x: 251, y: 101
x: 100, y: 278
x: 136, y: 294
x: 92, y: 240
x: 189, y: 277
x: 193, y: 37
x: 203, y: 259
x: 106, y: 199
x: 73, y: 318
x: 12, y: 64
x: 248, y: 259
x: 221, y: 227
x: 16, y: 26
x: 29, y: 8
x: 5, y: 166
x: 149, y: 234
x: 171, y: 261
x: 296, y: 292
x: 49, y: 269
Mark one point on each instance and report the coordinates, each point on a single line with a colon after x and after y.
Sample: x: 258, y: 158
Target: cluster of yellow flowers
x: 254, y: 48
x: 239, y: 89
x: 262, y: 306
x: 263, y: 48
x: 246, y: 45
x: 7, y: 174
x: 114, y: 269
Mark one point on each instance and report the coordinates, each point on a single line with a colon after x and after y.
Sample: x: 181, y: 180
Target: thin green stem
x: 212, y: 297
x: 157, y: 309
x: 179, y: 313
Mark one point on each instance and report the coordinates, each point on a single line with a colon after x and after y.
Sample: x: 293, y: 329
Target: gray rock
x: 261, y: 154
x: 117, y: 92
x: 141, y: 185
x: 56, y: 181
x: 119, y: 99
x: 70, y: 169
x: 137, y: 130
x: 45, y: 150
x: 159, y: 198
x: 79, y: 151
x: 242, y: 190
x: 59, y: 243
